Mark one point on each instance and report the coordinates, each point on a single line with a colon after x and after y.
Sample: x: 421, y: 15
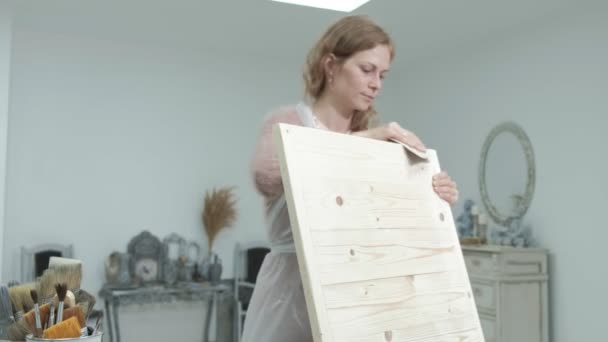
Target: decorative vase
x: 211, y: 268
x: 215, y: 273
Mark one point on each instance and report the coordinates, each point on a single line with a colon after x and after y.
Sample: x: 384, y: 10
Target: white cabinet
x: 510, y: 289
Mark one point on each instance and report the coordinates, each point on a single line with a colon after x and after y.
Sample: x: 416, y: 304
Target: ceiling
x: 420, y: 28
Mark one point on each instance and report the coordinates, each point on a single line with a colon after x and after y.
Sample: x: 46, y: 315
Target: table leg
x: 214, y: 313
x: 207, y: 326
x: 115, y: 313
x: 109, y: 318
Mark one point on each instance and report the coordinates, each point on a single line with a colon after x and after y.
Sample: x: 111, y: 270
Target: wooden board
x: 377, y: 248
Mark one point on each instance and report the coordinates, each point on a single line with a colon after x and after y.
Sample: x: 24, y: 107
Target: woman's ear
x: 330, y: 64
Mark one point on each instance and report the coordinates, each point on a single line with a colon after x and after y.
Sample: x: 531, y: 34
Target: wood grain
x: 377, y: 248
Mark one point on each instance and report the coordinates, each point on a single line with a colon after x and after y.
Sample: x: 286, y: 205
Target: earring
x: 331, y: 78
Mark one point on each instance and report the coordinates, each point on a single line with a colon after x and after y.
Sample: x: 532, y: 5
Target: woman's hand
x: 393, y: 131
x: 445, y: 187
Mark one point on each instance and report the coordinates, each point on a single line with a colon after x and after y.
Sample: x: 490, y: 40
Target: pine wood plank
x: 377, y: 249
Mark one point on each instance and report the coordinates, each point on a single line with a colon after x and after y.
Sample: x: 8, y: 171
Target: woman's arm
x: 265, y: 166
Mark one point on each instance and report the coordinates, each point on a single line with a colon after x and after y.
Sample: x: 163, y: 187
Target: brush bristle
x: 21, y: 297
x: 26, y: 296
x: 86, y: 300
x: 71, y: 274
x: 62, y: 290
x: 46, y: 285
x: 30, y: 320
x: 34, y: 295
x: 17, y: 331
x: 69, y: 328
x: 75, y: 312
x: 14, y: 296
x: 69, y: 300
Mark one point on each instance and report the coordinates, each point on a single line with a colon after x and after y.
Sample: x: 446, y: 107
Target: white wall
x: 110, y: 138
x: 553, y: 80
x: 5, y: 62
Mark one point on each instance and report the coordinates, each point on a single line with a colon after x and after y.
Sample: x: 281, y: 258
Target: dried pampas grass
x: 219, y: 212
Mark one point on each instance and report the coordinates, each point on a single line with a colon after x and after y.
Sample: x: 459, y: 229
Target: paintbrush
x: 6, y: 312
x: 97, y: 325
x: 61, y: 292
x: 6, y: 307
x: 68, y: 302
x: 77, y: 312
x: 30, y: 317
x: 17, y: 304
x: 46, y: 285
x: 21, y: 299
x: 87, y: 301
x: 38, y: 329
x: 61, y: 270
x: 17, y: 331
x: 67, y: 271
x: 57, y: 261
x: 51, y: 316
x: 70, y: 328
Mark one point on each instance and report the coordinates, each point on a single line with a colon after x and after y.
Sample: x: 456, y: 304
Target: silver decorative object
x: 193, y: 252
x: 175, y: 250
x: 170, y: 271
x: 174, y: 242
x: 464, y: 221
x: 117, y: 269
x: 147, y: 256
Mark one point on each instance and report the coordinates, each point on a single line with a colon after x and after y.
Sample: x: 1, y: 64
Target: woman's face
x: 356, y: 82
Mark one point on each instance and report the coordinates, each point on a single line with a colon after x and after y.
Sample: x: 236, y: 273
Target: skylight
x: 334, y: 5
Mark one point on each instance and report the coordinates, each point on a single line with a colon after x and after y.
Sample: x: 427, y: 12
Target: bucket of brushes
x: 53, y: 308
x: 65, y: 325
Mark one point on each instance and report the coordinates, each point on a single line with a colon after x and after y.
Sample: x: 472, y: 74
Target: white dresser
x: 510, y: 288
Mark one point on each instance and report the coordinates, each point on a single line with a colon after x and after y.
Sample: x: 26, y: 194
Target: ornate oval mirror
x: 507, y: 173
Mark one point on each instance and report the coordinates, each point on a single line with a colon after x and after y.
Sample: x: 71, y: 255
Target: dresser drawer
x: 494, y: 260
x: 524, y: 264
x: 481, y: 263
x: 485, y: 295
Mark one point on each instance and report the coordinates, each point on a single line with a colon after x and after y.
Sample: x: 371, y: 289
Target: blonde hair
x: 343, y: 39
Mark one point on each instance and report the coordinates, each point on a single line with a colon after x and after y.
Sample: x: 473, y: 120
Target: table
x: 115, y: 297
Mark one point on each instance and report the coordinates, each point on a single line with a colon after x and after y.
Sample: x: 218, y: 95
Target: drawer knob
x: 476, y: 263
x: 339, y: 200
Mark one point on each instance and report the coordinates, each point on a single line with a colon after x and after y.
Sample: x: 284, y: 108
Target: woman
x: 343, y: 75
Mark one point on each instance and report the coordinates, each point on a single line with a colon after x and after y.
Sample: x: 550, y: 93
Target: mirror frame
x: 522, y: 137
